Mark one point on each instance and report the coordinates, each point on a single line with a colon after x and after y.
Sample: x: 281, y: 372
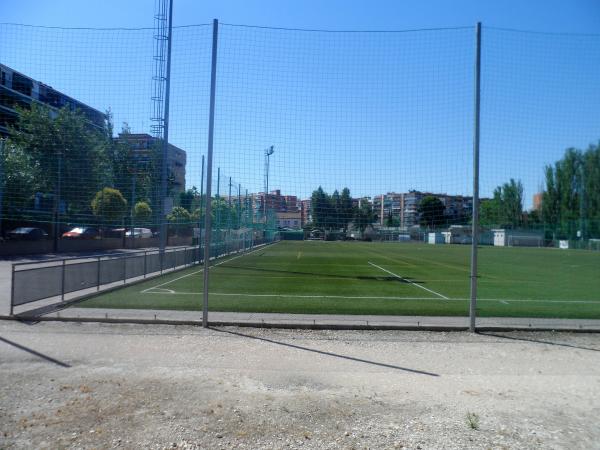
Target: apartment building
x: 404, y: 207
x: 142, y: 144
x: 19, y: 90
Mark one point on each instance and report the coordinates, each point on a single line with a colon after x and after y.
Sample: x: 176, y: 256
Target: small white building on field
x: 435, y: 238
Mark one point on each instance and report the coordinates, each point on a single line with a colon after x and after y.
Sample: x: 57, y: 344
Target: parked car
x: 139, y: 233
x: 27, y: 234
x: 82, y: 233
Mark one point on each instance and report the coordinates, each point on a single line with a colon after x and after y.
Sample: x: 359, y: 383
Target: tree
x: 181, y: 219
x: 142, y: 212
x: 512, y: 203
x: 571, y: 200
x: 71, y: 153
x: 505, y: 209
x: 321, y: 208
x: 21, y: 178
x: 363, y: 216
x: 186, y: 199
x: 110, y: 205
x: 431, y: 210
x: 346, y: 210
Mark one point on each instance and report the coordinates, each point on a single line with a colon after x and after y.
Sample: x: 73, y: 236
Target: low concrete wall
x: 11, y: 248
x: 16, y: 248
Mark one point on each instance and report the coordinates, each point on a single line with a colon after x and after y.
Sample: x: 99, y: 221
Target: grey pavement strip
x: 321, y: 321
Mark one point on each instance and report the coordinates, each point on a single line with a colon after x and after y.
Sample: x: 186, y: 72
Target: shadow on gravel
x: 335, y: 355
x: 33, y: 352
x: 537, y: 341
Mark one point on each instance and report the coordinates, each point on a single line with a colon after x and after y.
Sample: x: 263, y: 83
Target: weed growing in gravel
x: 473, y: 421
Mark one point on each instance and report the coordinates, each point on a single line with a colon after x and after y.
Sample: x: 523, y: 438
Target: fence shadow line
x: 321, y: 352
x: 35, y: 353
x: 537, y: 341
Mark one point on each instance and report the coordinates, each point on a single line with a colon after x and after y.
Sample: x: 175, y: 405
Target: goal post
x: 525, y: 241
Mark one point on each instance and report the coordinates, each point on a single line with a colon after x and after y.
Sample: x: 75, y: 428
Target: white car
x: 139, y: 233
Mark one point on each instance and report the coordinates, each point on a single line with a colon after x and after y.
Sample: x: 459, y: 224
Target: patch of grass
x: 380, y: 278
x: 472, y: 420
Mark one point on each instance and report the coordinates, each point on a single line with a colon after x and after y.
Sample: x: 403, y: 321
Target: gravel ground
x: 66, y: 385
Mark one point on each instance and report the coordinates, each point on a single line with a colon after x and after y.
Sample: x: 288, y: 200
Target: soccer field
x: 379, y: 278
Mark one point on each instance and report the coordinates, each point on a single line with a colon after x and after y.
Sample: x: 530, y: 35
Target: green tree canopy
x: 431, y: 211
x: 142, y: 211
x: 505, y: 209
x: 571, y: 199
x: 110, y: 205
x: 63, y: 143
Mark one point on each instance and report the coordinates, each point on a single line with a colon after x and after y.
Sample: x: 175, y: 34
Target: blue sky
x: 377, y: 112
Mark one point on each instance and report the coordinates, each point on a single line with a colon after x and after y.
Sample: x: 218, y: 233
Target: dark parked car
x: 82, y: 233
x: 27, y: 234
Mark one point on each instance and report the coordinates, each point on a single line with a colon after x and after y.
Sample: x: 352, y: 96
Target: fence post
x: 12, y: 290
x: 62, y: 282
x: 475, y: 229
x: 124, y: 269
x: 211, y: 127
x: 98, y: 275
x: 145, y: 263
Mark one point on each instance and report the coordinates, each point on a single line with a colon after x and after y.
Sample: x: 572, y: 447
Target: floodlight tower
x: 268, y: 152
x: 163, y: 36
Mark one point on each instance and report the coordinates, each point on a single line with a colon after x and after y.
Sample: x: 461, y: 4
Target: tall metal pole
x: 57, y: 202
x: 211, y: 126
x: 165, y: 143
x: 200, y: 208
x: 475, y: 229
x: 229, y: 217
x: 582, y: 223
x: 131, y: 218
x: 218, y: 214
x: 239, y: 222
x: 268, y: 153
x: 1, y: 182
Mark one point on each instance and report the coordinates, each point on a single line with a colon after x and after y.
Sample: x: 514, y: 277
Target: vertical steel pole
x: 12, y: 291
x: 98, y: 275
x: 57, y: 204
x: 228, y: 241
x: 165, y: 143
x: 132, y: 224
x: 218, y: 214
x: 475, y: 229
x: 200, y: 214
x: 62, y: 282
x: 1, y: 183
x: 211, y: 126
x: 239, y: 221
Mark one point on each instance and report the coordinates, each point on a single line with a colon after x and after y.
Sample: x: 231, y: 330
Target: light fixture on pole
x: 268, y: 152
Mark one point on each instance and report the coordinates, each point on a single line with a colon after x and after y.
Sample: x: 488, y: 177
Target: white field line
x: 408, y: 281
x: 229, y: 294
x: 146, y: 291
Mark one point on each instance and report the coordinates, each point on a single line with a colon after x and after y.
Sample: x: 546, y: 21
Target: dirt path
x: 65, y: 385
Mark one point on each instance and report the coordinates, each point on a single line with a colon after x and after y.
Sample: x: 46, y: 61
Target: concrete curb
x: 300, y: 325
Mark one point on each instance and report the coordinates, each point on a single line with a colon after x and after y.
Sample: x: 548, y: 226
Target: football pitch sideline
x: 381, y: 279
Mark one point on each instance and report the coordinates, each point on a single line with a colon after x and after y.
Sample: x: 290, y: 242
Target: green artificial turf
x: 380, y: 278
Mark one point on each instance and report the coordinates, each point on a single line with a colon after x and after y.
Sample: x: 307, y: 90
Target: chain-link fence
x: 356, y: 149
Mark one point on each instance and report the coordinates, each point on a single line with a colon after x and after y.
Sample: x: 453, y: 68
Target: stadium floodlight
x: 268, y: 152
